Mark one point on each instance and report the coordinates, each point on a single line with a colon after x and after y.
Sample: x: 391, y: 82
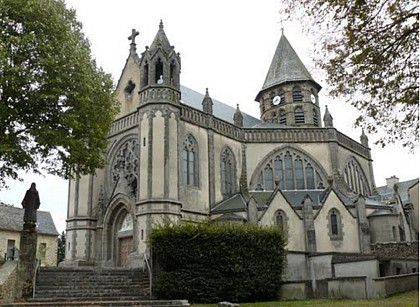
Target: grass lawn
x: 407, y: 299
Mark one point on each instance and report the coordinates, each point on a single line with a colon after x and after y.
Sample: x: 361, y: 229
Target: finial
x: 207, y: 103
x: 238, y: 118
x: 281, y: 24
x: 133, y: 35
x: 161, y: 24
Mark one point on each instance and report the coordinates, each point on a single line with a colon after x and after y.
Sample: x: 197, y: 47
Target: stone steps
x: 89, y: 284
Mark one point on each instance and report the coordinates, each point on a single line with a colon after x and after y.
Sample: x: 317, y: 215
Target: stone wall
x: 298, y: 290
x: 385, y: 286
x: 8, y: 273
x: 396, y: 250
x: 353, y: 287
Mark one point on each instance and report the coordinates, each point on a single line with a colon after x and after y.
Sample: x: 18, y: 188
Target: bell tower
x: 289, y: 95
x: 160, y: 67
x: 159, y: 113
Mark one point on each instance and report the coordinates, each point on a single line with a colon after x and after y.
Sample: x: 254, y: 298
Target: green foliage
x: 61, y: 247
x: 369, y: 50
x: 56, y: 105
x: 216, y: 262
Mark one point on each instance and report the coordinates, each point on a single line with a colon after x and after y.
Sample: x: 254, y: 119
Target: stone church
x: 175, y: 154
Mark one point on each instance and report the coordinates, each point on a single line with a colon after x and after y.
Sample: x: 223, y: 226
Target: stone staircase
x: 88, y: 284
x: 94, y: 287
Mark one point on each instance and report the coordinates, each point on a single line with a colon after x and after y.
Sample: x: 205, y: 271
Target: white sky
x: 226, y: 46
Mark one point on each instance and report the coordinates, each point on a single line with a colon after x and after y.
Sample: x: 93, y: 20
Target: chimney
x: 391, y: 181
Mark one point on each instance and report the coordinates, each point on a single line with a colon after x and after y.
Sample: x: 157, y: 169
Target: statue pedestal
x: 27, y: 261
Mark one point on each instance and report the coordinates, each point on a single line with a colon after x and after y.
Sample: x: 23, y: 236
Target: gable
x: 11, y: 218
x: 128, y: 86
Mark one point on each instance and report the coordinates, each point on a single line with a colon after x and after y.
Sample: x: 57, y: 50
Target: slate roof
x: 286, y: 66
x: 220, y: 110
x: 234, y: 203
x: 381, y: 212
x: 385, y: 193
x: 296, y: 197
x: 11, y: 218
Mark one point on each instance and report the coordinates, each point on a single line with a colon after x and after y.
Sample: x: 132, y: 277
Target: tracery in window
x: 291, y: 170
x: 355, y: 178
x: 189, y: 162
x: 228, y: 170
x: 297, y: 94
x: 124, y: 167
x: 299, y: 116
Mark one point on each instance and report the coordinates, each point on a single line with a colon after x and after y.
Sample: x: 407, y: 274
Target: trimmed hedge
x: 218, y: 262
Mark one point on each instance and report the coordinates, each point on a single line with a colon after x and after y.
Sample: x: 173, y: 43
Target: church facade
x: 175, y: 154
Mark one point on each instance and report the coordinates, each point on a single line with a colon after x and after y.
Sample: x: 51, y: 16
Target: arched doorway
x: 119, y: 234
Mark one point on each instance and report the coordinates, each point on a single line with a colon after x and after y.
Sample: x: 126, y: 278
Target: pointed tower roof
x: 238, y: 118
x: 286, y: 66
x: 161, y: 40
x: 328, y: 119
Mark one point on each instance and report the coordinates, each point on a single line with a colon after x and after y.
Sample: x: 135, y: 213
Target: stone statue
x: 30, y: 203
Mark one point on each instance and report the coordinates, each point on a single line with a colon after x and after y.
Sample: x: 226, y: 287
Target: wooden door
x: 126, y: 246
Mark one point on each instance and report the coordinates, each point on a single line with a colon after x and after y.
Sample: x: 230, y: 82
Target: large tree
x: 369, y: 50
x: 56, y: 105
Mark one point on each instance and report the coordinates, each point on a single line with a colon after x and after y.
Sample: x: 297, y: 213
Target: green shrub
x: 217, y: 262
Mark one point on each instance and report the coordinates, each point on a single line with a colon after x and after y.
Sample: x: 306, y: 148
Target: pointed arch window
x: 280, y: 220
x: 158, y: 70
x: 335, y: 226
x: 299, y: 116
x: 310, y: 178
x: 355, y: 178
x: 228, y: 170
x: 189, y: 162
x: 145, y: 75
x: 297, y: 94
x: 282, y: 117
x: 268, y: 178
x: 300, y: 179
x: 292, y: 171
x: 278, y: 171
x: 288, y: 170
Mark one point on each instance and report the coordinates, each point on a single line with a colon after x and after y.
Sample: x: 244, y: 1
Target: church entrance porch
x: 119, y: 237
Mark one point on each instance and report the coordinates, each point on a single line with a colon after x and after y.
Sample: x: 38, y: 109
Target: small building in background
x: 11, y: 225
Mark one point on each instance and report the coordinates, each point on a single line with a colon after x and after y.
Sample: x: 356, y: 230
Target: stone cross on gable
x: 281, y: 22
x: 133, y: 35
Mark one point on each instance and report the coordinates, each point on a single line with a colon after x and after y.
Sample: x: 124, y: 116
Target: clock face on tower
x: 276, y: 100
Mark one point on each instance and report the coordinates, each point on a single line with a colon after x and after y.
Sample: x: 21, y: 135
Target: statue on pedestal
x: 28, y: 243
x: 30, y: 203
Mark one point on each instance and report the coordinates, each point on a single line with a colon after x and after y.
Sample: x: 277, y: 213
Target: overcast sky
x: 226, y: 46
